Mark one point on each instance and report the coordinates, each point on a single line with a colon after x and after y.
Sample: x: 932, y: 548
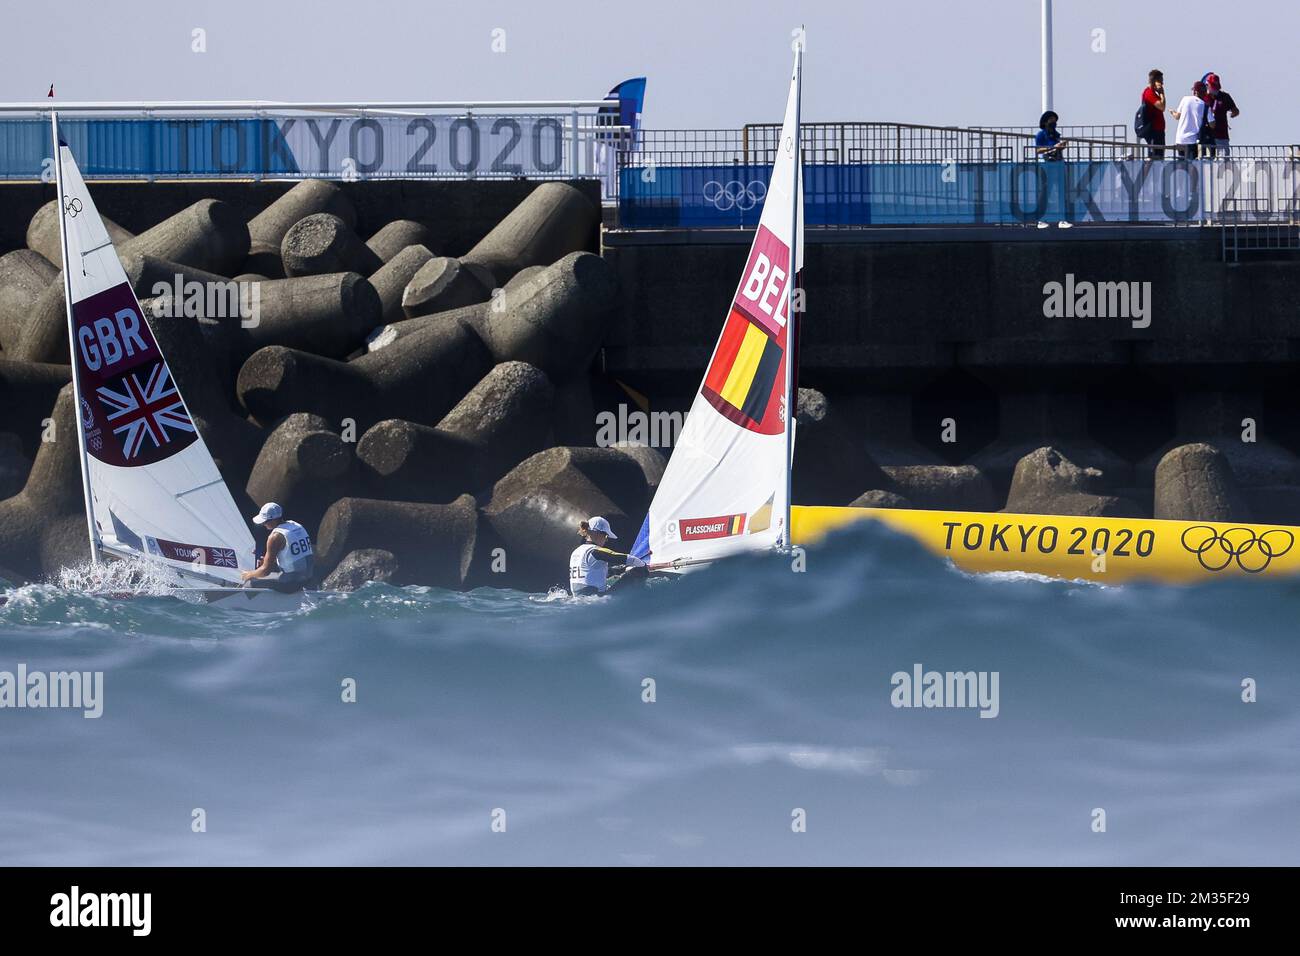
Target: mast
x: 791, y: 331
x: 72, y: 342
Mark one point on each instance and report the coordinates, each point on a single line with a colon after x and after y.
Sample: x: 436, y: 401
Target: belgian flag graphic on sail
x: 747, y: 368
x: 747, y: 374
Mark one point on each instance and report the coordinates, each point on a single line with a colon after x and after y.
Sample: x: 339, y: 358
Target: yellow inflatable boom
x: 1109, y: 550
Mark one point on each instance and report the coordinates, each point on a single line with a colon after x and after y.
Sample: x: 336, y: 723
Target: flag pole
x: 1047, y: 55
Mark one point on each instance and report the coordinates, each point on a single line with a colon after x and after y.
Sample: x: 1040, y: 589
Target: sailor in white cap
x: 287, y: 564
x: 590, y: 562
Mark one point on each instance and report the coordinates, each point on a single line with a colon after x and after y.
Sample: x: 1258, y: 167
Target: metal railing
x: 833, y: 143
x: 903, y: 174
x: 1110, y: 131
x: 1259, y: 240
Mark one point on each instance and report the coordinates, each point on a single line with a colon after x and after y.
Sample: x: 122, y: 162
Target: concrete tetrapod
x: 204, y: 239
x: 361, y: 567
x: 15, y: 466
x: 555, y: 219
x: 43, y: 527
x: 232, y: 440
x: 266, y: 230
x: 44, y: 338
x: 24, y: 276
x: 433, y: 544
x: 1048, y: 483
x: 1195, y: 483
x: 304, y: 466
x: 555, y: 321
x: 442, y: 284
x: 535, y: 509
x: 501, y: 422
x: 209, y: 235
x: 43, y: 233
x: 28, y: 391
x: 392, y: 280
x: 420, y: 381
x: 327, y: 315
x: 322, y: 243
x: 396, y: 236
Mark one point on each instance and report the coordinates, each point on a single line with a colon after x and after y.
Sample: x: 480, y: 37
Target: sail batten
x: 152, y: 488
x: 726, y: 487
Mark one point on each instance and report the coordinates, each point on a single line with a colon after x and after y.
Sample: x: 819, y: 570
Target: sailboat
x: 153, y: 492
x: 726, y: 488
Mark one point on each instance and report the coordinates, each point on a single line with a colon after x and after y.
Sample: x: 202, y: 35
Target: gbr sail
x: 726, y: 487
x: 152, y: 488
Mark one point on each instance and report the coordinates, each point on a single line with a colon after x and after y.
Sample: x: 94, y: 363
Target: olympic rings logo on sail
x: 72, y: 207
x: 1253, y: 552
x: 735, y: 194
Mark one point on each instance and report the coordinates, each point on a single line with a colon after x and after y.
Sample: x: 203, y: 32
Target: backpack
x: 1205, y: 135
x: 1142, y: 121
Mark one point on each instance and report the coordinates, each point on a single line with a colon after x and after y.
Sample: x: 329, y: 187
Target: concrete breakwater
x: 411, y: 379
x: 428, y: 373
x: 949, y: 358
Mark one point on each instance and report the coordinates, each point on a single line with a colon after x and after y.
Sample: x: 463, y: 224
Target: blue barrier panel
x: 714, y: 196
x: 150, y: 147
x: 922, y: 193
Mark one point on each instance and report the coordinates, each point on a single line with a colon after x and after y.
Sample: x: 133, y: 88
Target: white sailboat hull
x: 257, y: 600
x: 200, y: 587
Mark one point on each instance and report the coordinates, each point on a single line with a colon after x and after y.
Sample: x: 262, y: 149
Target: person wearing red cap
x: 1221, y: 105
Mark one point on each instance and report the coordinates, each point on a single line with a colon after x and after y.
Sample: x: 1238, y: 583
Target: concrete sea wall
x: 937, y: 351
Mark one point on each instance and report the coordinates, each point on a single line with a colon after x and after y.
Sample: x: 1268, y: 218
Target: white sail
x: 152, y: 488
x: 726, y: 487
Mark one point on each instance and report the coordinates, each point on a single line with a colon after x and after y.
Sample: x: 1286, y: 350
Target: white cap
x: 600, y: 524
x: 270, y: 512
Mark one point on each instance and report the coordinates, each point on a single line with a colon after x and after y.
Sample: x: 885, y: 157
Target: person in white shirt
x: 288, y: 563
x: 590, y: 563
x: 1191, y: 117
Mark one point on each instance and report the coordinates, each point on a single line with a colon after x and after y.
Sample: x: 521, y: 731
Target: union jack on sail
x: 137, y: 412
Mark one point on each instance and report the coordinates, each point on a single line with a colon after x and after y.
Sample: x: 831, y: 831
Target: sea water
x: 747, y: 714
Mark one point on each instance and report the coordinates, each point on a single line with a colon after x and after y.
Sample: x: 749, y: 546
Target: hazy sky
x: 709, y: 64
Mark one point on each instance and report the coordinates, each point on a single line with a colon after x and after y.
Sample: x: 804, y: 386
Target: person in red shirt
x: 1153, y: 98
x: 1221, y: 105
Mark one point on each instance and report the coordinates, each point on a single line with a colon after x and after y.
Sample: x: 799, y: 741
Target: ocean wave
x: 679, y: 723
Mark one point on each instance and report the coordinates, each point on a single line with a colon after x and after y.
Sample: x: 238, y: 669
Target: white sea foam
x: 135, y: 576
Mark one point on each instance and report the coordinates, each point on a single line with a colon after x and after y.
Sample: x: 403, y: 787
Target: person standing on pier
x: 1050, y: 148
x: 1048, y: 145
x: 1153, y: 105
x: 1221, y: 105
x: 1191, y: 119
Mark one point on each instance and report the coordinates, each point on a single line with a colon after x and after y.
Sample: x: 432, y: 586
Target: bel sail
x: 152, y: 489
x: 726, y: 487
